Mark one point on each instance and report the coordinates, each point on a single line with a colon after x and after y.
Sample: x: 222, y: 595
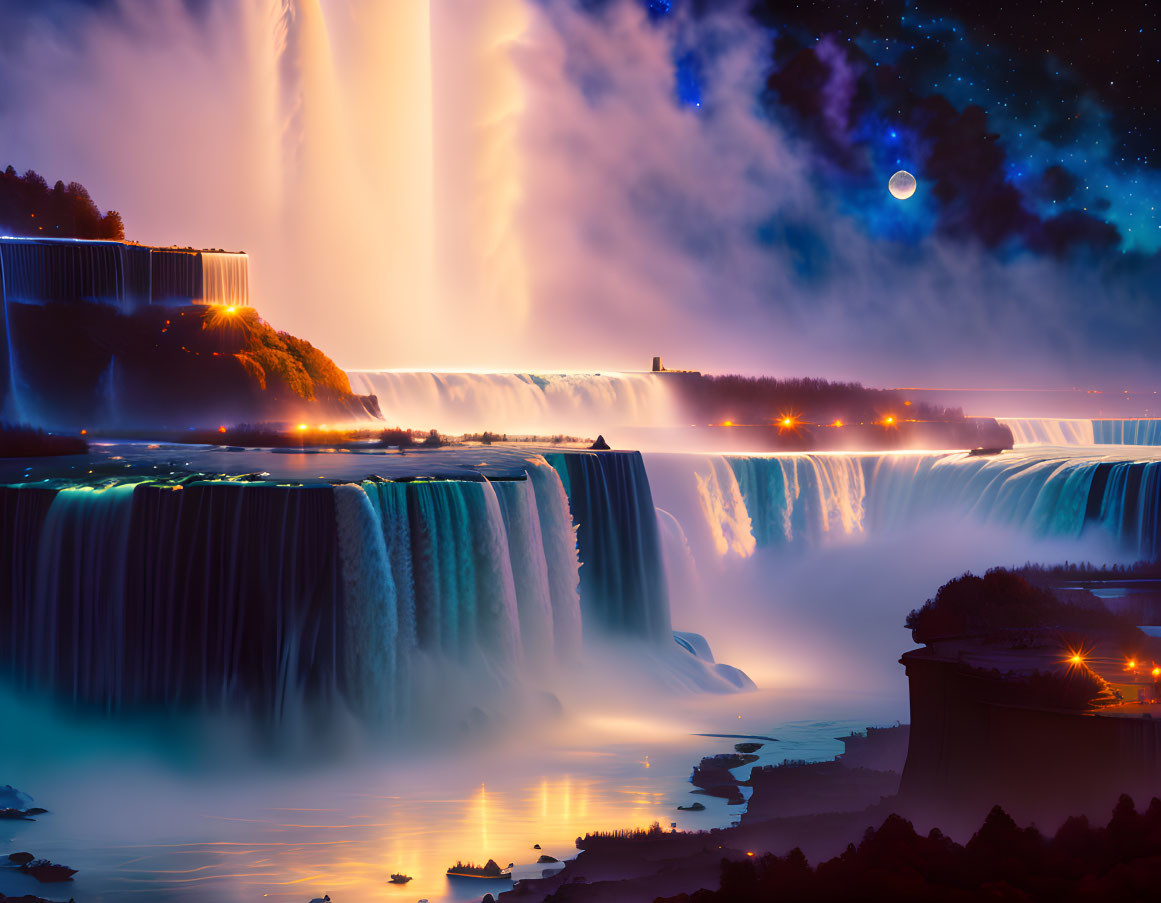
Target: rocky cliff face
x: 90, y: 366
x: 975, y: 743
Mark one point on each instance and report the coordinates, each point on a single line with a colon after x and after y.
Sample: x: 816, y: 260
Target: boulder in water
x: 600, y: 445
x: 48, y: 872
x: 20, y: 858
x: 545, y: 859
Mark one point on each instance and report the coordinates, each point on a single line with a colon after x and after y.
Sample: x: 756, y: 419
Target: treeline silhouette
x: 28, y: 206
x: 1003, y: 600
x: 1083, y: 571
x: 745, y: 399
x: 20, y: 441
x: 1001, y: 862
x: 605, y: 838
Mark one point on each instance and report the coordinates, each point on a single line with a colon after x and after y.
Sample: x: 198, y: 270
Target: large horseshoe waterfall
x: 217, y: 593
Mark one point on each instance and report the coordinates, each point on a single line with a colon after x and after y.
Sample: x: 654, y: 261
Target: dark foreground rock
x: 41, y: 869
x: 27, y: 814
x: 818, y: 808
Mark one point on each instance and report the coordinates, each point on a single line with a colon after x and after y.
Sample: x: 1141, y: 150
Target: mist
x: 825, y: 611
x: 516, y: 187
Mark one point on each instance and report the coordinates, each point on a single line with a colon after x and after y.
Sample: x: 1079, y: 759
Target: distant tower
x: 657, y: 368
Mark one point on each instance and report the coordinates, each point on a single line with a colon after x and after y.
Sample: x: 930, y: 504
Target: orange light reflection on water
x: 418, y: 837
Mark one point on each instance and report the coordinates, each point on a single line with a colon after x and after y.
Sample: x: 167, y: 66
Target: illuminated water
x: 798, y: 568
x: 530, y: 404
x: 145, y: 824
x: 1056, y: 431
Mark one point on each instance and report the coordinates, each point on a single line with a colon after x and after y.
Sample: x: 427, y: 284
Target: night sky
x: 706, y: 178
x: 1031, y: 127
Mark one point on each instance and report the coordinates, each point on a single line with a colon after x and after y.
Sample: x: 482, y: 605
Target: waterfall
x: 278, y: 599
x: 1127, y: 432
x: 73, y: 638
x: 811, y: 498
x: 108, y: 410
x: 519, y: 403
x: 1051, y: 431
x: 43, y: 270
x: 623, y: 586
x: 225, y: 279
x: 560, y: 554
x: 371, y: 609
x: 529, y: 566
x: 10, y: 402
x: 801, y: 497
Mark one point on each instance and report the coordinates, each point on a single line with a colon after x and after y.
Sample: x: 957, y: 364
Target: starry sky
x: 1031, y: 126
x: 705, y: 179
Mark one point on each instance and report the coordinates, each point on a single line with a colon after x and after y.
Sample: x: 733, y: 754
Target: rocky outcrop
x: 93, y: 366
x: 975, y: 744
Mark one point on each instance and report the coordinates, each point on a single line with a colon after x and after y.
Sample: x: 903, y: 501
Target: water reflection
x: 150, y: 829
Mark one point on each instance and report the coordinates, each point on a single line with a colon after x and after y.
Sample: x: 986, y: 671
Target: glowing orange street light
x: 889, y: 420
x: 1076, y: 659
x: 727, y: 423
x: 301, y: 427
x: 221, y: 429
x: 837, y: 423
x: 749, y: 853
x: 1156, y: 671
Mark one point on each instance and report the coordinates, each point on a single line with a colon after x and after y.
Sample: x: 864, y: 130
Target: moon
x: 902, y: 185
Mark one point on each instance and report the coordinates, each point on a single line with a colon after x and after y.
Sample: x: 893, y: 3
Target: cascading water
x: 623, y: 584
x: 1127, y: 432
x: 225, y: 279
x: 229, y: 594
x: 519, y: 403
x: 10, y: 405
x: 808, y: 498
x: 1051, y: 431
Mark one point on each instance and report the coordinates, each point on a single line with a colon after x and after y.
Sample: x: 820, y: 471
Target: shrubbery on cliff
x: 264, y: 352
x: 1000, y: 600
x: 29, y: 207
x: 1002, y: 862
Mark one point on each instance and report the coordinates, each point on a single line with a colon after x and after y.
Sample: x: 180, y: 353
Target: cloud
x: 718, y: 235
x: 730, y: 236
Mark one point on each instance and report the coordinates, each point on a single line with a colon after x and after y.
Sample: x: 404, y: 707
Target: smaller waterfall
x: 623, y: 585
x: 38, y: 271
x: 1051, y: 431
x: 371, y: 609
x: 108, y: 408
x: 1127, y: 432
x: 791, y: 498
x: 781, y: 500
x: 225, y: 279
x: 529, y: 567
x: 519, y: 403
